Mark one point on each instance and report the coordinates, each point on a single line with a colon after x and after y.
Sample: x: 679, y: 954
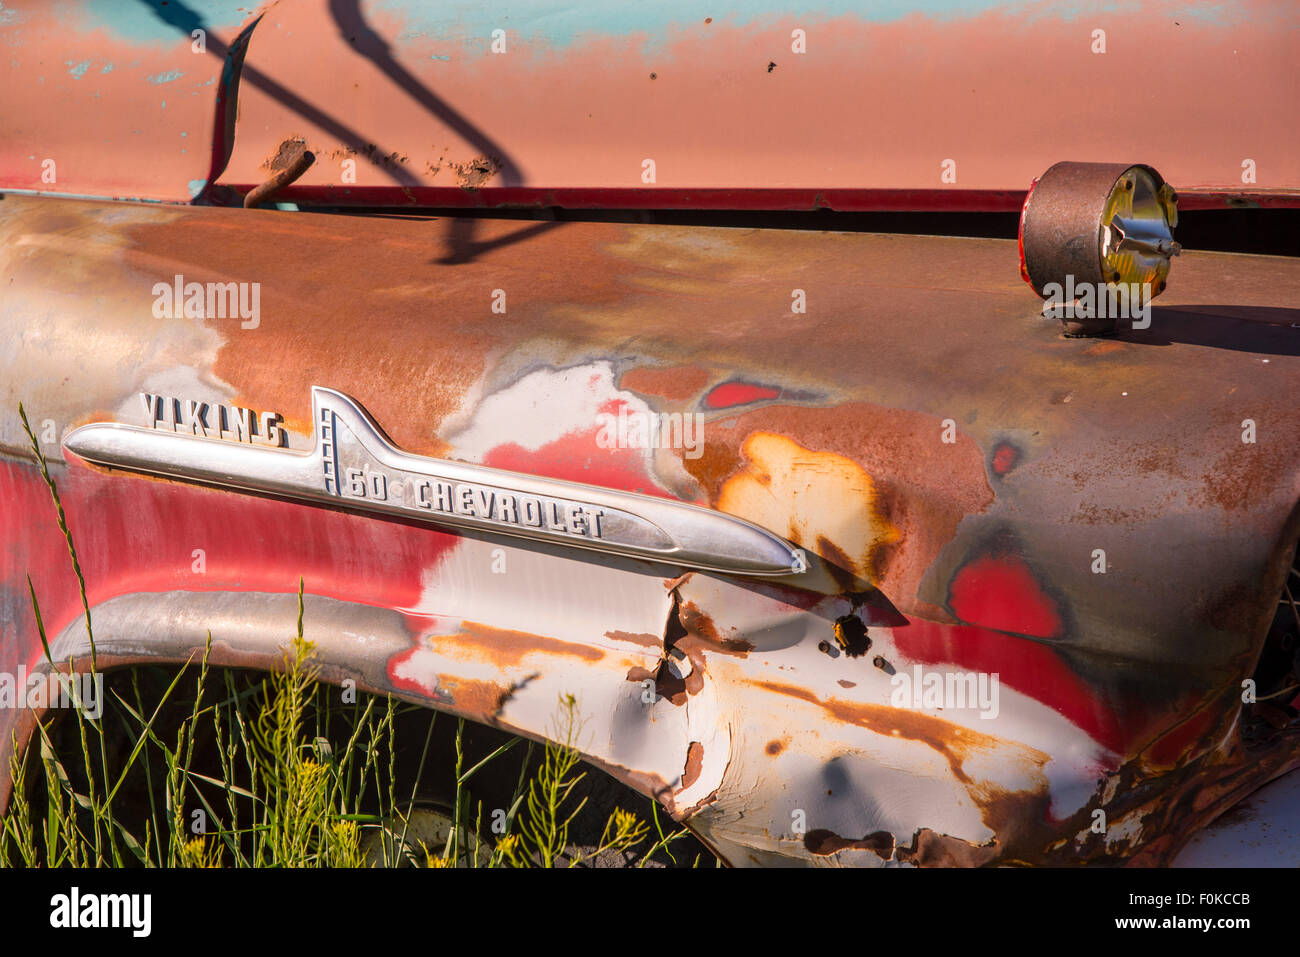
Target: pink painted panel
x: 731, y: 116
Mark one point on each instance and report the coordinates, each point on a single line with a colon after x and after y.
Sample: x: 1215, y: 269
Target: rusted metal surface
x: 1061, y: 221
x: 952, y: 463
x: 1072, y: 236
x: 848, y: 105
x: 287, y: 167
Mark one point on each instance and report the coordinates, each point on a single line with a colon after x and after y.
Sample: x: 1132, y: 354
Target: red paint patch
x: 1005, y: 457
x: 1184, y: 742
x: 738, y: 393
x: 137, y: 534
x: 1032, y: 669
x: 1002, y: 594
x: 578, y: 457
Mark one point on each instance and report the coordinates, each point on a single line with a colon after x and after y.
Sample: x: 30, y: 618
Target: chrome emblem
x: 354, y: 465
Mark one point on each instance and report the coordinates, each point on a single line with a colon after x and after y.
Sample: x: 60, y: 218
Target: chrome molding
x: 353, y: 465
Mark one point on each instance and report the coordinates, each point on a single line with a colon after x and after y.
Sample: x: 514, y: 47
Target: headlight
x: 1095, y: 227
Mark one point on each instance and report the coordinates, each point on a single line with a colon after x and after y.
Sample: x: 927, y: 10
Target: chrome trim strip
x: 354, y: 465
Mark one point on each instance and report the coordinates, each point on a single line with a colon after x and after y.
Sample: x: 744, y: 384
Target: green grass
x: 210, y: 767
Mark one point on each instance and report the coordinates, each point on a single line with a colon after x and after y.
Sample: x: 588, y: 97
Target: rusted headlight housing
x: 1097, y: 225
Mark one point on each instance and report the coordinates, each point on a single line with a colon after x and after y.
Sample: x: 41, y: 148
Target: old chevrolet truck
x: 849, y: 553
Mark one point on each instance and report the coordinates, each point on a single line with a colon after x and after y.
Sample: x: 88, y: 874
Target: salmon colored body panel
x: 946, y: 104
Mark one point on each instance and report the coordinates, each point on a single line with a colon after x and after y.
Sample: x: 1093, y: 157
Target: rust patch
x: 476, y: 172
x: 373, y: 154
x: 505, y: 648
x: 675, y: 383
x: 698, y: 624
x: 953, y: 741
x: 775, y: 747
x: 286, y: 154
x: 1246, y: 476
x: 483, y: 699
x: 1104, y: 348
x: 931, y: 849
x: 275, y: 369
x: 717, y: 462
x: 694, y: 682
x: 644, y: 639
x: 694, y: 764
x: 846, y: 684
x: 838, y: 564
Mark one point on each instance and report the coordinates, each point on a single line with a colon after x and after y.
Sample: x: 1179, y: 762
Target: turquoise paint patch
x: 196, y: 187
x: 438, y: 57
x: 159, y: 78
x: 108, y: 68
x: 562, y: 23
x: 151, y: 21
x: 78, y: 69
x: 183, y: 133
